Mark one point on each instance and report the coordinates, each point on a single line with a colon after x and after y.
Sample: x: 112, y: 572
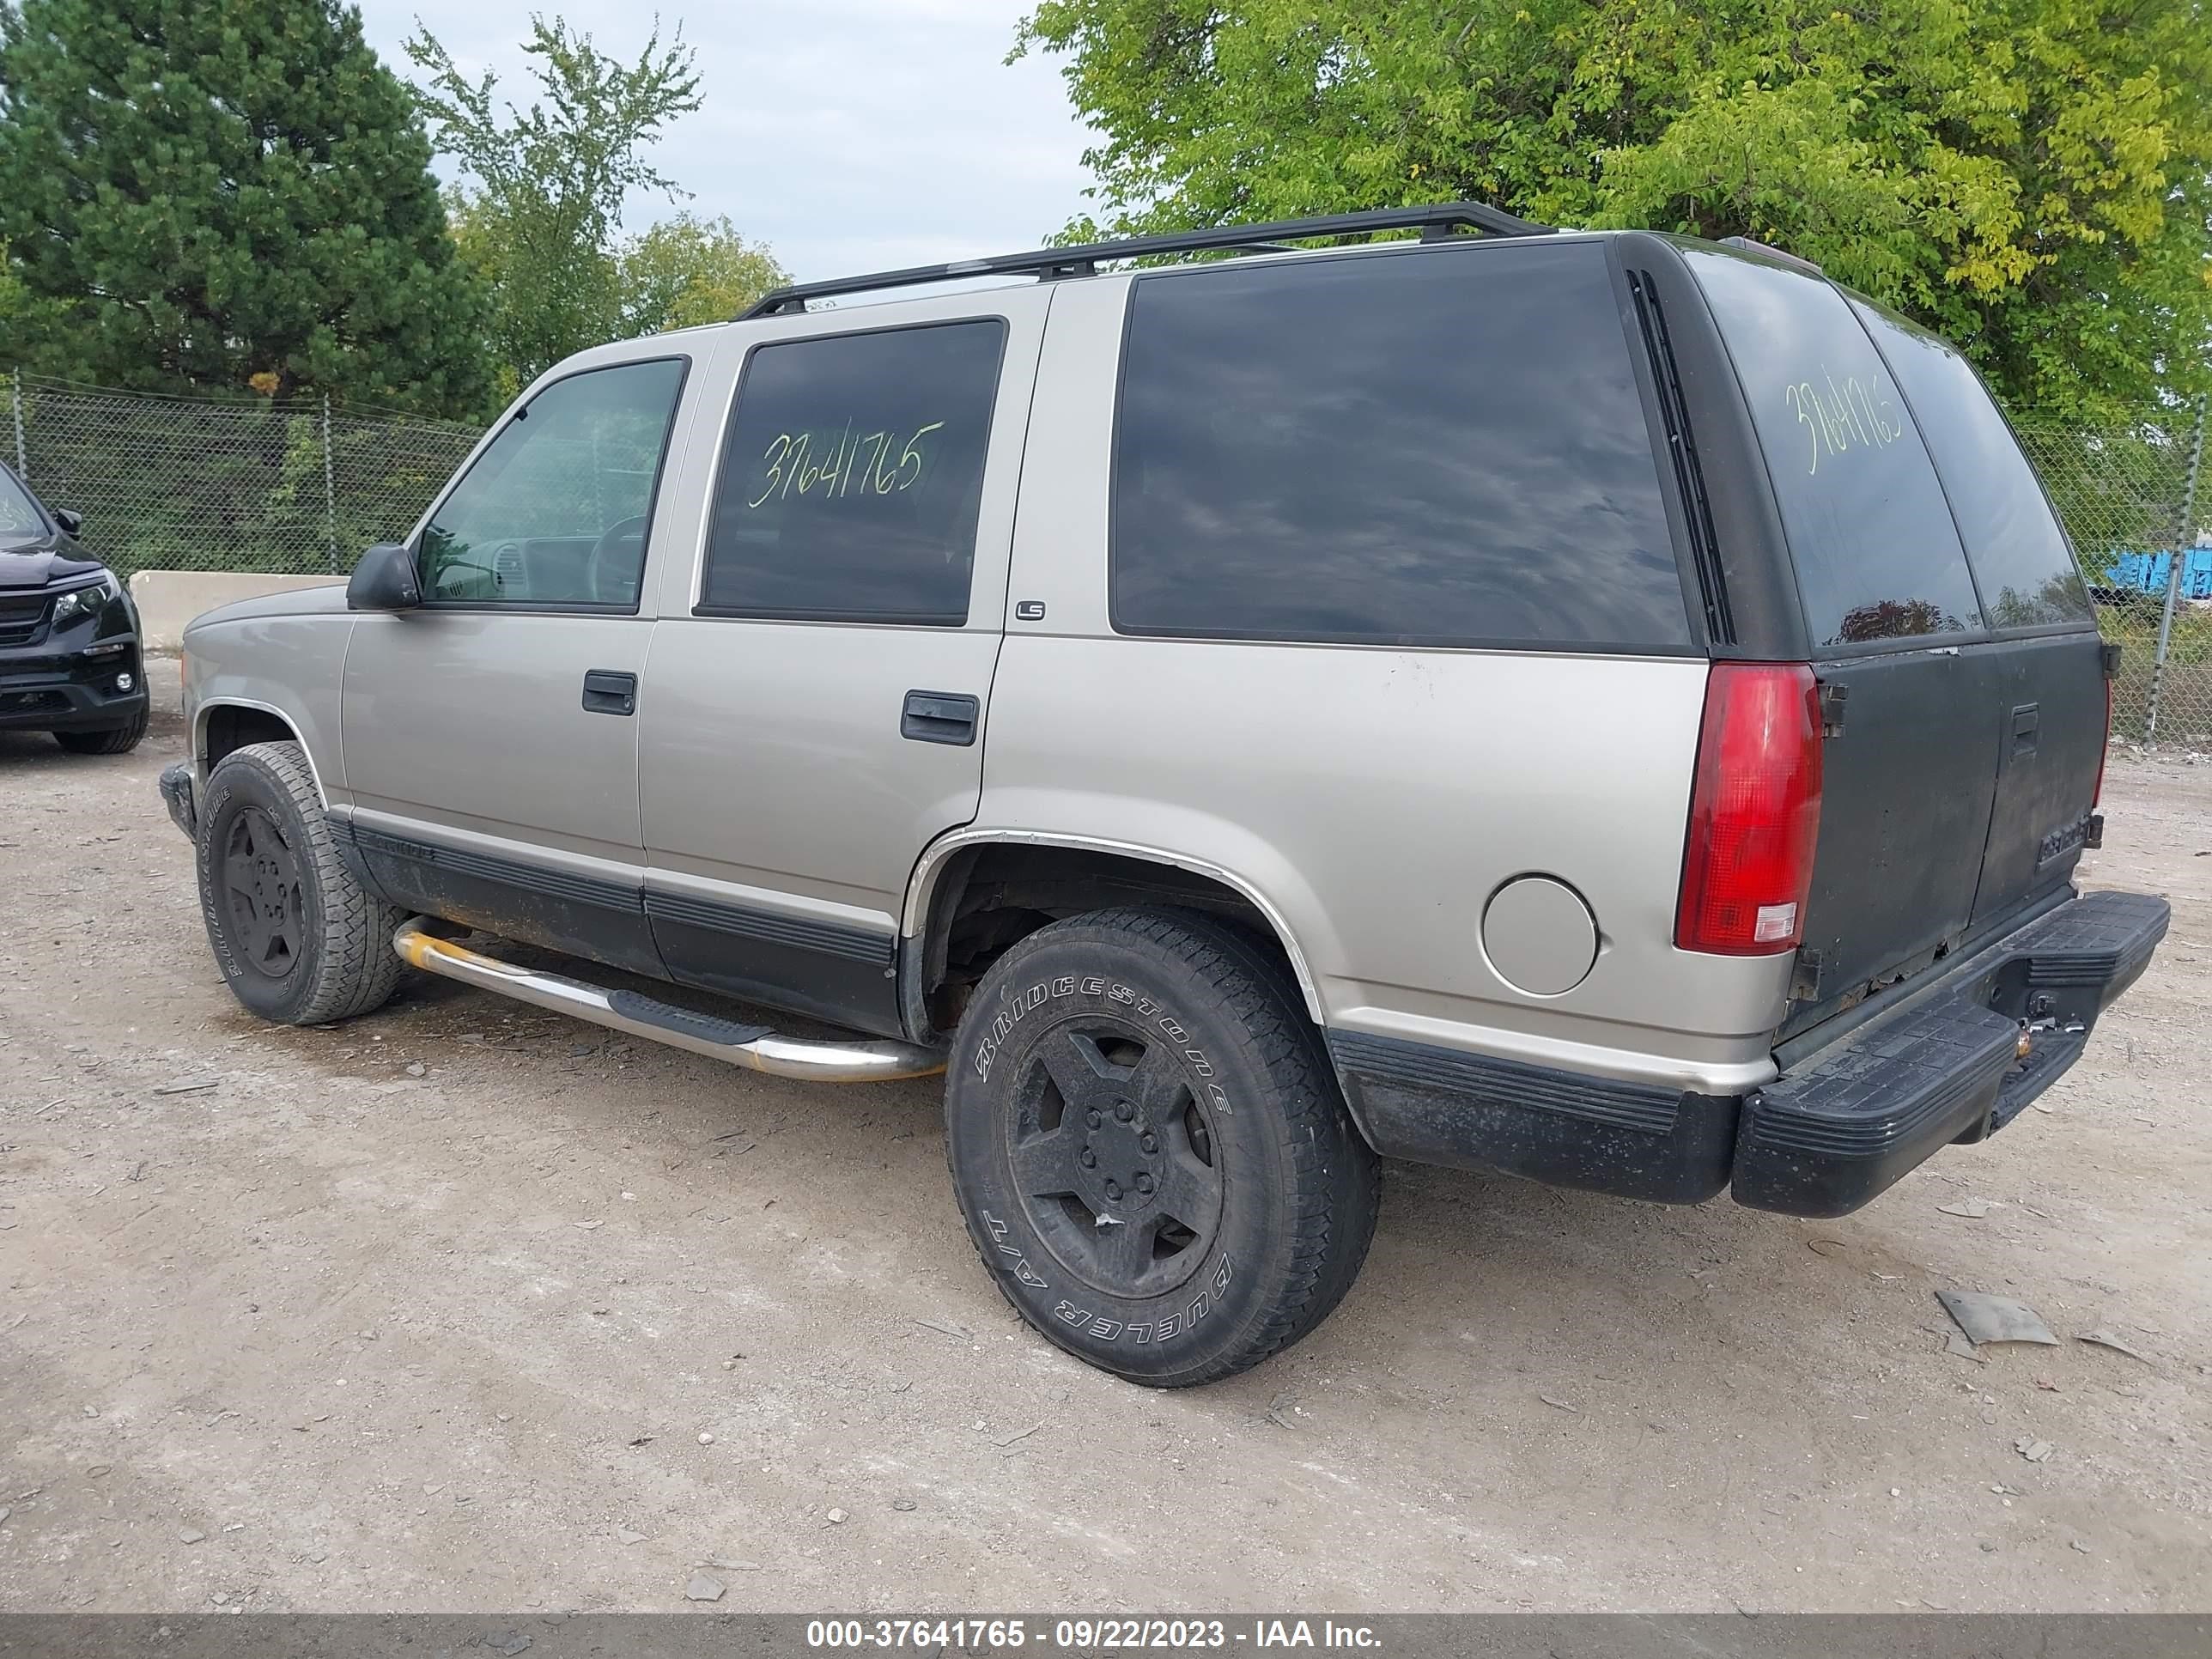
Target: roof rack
x: 1773, y: 252
x: 1436, y: 223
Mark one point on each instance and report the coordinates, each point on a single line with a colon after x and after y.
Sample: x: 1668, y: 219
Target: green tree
x: 685, y: 271
x: 2033, y: 178
x: 204, y: 197
x: 539, y: 211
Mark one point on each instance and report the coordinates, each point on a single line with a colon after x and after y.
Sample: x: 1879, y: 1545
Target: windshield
x: 20, y: 520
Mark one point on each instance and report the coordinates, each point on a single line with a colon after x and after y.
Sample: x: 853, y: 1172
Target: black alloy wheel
x: 261, y: 889
x: 1114, y: 1154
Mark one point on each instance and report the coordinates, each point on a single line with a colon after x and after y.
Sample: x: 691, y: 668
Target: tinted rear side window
x: 1869, y: 530
x: 2028, y: 575
x: 1426, y: 447
x: 852, y: 477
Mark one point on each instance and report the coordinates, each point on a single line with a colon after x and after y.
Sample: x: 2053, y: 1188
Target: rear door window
x: 852, y: 478
x: 2020, y: 557
x: 1427, y: 447
x: 1878, y: 556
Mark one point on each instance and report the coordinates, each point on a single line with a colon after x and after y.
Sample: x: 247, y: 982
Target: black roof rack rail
x: 1772, y: 253
x: 1435, y: 222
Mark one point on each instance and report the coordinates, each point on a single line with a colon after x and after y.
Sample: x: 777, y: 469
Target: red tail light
x: 1754, y: 812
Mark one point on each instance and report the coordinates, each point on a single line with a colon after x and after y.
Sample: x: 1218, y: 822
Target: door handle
x: 940, y: 717
x: 609, y: 692
x: 2026, y: 726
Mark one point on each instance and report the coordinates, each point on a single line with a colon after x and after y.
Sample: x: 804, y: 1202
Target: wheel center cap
x: 1120, y: 1158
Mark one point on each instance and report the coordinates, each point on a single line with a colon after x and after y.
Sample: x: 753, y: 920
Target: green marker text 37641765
x: 841, y: 465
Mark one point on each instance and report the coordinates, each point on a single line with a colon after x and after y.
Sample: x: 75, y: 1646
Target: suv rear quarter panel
x: 1376, y: 799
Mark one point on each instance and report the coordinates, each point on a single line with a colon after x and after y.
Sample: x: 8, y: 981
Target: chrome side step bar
x: 754, y: 1047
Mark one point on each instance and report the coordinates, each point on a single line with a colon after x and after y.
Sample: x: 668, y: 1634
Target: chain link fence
x: 296, y: 487
x: 302, y: 486
x: 2132, y: 501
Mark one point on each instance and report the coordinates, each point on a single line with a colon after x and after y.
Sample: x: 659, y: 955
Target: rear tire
x: 114, y: 740
x: 300, y: 941
x: 1150, y: 1148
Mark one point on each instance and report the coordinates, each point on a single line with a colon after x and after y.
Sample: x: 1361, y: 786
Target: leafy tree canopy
x: 685, y: 271
x: 2031, y: 178
x: 199, y: 197
x: 539, y: 210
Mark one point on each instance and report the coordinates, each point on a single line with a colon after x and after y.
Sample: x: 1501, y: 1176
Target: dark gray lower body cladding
x: 1469, y: 1111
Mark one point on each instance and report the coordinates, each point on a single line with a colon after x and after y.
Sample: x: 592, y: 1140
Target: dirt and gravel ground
x: 438, y: 1310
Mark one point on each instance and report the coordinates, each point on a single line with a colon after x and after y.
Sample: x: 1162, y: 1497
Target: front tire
x: 300, y: 941
x: 114, y: 740
x: 1150, y: 1148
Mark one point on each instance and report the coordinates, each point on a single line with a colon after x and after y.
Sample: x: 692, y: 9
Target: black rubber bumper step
x: 1946, y: 1066
x: 1828, y: 1137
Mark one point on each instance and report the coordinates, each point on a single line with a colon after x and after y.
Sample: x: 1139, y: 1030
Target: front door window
x: 554, y: 510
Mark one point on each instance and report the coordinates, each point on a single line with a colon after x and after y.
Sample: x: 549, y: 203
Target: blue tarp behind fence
x: 2150, y: 572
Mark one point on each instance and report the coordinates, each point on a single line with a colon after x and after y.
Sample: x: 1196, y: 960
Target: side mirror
x: 72, y: 522
x: 385, y: 580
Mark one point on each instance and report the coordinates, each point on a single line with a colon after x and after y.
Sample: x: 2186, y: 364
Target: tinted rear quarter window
x: 2020, y: 557
x: 1870, y: 531
x: 1437, y: 446
x: 852, y: 478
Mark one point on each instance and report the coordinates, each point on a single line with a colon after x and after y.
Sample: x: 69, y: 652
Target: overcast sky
x: 849, y: 135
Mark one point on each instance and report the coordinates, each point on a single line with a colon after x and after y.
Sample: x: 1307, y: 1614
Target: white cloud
x: 849, y: 135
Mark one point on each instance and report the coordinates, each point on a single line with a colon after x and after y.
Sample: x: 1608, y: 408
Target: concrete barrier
x: 167, y: 599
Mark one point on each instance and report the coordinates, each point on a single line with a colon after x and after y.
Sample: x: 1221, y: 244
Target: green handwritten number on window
x: 912, y: 453
x: 826, y: 473
x: 1847, y: 417
x: 874, y: 442
x: 1795, y: 395
x: 774, y: 456
x: 843, y: 464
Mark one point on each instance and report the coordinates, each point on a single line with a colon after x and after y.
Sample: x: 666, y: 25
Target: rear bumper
x: 1840, y: 1128
x: 1831, y: 1132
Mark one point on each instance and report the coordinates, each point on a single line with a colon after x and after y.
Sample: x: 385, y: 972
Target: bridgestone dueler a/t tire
x: 346, y: 965
x: 1296, y: 1183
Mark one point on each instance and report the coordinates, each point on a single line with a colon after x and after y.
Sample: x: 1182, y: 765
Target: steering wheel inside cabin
x: 605, y: 562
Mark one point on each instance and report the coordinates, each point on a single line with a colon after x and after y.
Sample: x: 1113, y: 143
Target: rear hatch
x: 1947, y: 622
